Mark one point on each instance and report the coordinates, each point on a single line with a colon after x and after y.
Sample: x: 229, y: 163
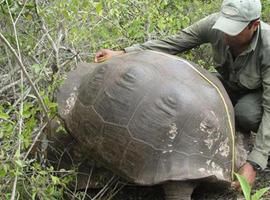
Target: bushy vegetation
x: 40, y: 42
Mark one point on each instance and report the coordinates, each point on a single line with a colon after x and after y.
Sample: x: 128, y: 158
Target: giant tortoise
x: 152, y: 118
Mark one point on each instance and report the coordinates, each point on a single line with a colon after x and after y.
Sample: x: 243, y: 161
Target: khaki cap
x: 235, y: 15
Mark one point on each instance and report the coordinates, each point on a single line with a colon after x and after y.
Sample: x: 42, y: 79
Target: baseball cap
x: 235, y: 15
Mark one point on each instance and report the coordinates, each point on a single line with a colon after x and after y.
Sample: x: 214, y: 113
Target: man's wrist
x: 255, y: 166
x: 258, y: 157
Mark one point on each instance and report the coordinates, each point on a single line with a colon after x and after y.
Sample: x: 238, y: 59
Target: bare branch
x: 20, y: 12
x: 54, y: 45
x: 8, y: 86
x: 35, y: 141
x: 88, y: 181
x: 15, y: 32
x: 13, y: 195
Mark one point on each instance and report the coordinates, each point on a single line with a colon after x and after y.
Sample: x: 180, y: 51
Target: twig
x: 11, y: 72
x: 54, y: 45
x: 104, y: 189
x: 20, y: 12
x: 13, y: 195
x: 35, y: 141
x: 11, y: 67
x: 18, y: 101
x: 15, y: 31
x: 68, y: 61
x: 8, y: 86
x: 116, y: 191
x: 88, y: 181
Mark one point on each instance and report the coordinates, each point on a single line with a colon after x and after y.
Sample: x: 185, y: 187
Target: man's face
x: 243, y: 38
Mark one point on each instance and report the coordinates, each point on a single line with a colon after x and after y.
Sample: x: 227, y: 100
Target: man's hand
x: 105, y: 54
x: 248, y: 172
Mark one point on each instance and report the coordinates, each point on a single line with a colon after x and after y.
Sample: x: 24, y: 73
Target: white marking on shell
x: 204, y: 128
x: 217, y: 170
x: 204, y: 125
x: 209, y: 143
x: 212, y: 168
x: 202, y: 170
x: 70, y: 102
x: 173, y: 131
x: 208, y: 162
x: 224, y: 148
x: 210, y: 125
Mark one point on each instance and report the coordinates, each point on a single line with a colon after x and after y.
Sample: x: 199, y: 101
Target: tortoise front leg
x: 178, y: 190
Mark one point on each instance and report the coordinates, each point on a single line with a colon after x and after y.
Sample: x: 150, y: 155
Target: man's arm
x: 261, y: 148
x: 192, y: 36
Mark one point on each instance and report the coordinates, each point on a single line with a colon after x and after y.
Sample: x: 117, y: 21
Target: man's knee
x: 248, y: 112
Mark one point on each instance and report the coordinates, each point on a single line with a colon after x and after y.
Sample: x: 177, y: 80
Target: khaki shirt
x: 250, y: 70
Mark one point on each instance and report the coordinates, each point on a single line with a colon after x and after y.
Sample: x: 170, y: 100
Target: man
x: 241, y: 53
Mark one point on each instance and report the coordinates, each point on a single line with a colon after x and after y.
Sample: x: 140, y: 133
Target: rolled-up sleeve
x: 192, y: 36
x: 261, y: 149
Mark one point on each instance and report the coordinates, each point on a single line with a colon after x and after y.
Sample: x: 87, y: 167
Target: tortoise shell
x: 151, y: 117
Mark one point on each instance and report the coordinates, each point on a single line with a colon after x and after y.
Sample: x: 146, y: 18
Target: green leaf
x: 52, y: 105
x: 55, y: 180
x: 32, y: 96
x: 29, y: 17
x: 27, y: 114
x: 36, y: 68
x: 17, y: 153
x: 34, y: 193
x: 4, y: 116
x: 259, y: 193
x: 244, y: 185
x: 2, y: 172
x: 99, y: 8
x: 19, y: 163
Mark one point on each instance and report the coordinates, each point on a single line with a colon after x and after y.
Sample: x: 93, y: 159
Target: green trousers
x: 248, y: 111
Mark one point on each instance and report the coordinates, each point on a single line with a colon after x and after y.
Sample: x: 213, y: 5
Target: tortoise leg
x: 178, y: 190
